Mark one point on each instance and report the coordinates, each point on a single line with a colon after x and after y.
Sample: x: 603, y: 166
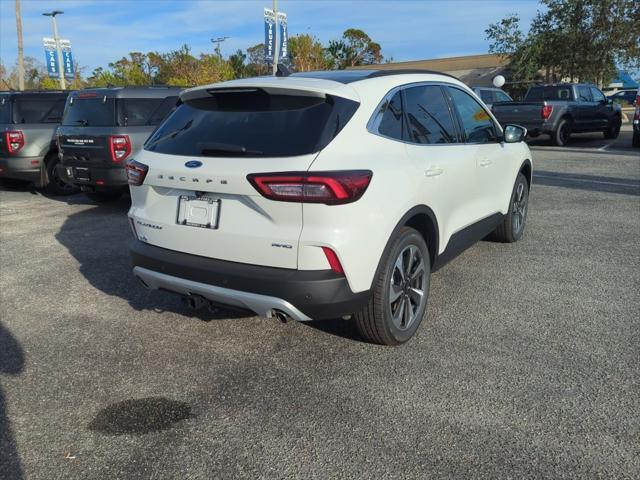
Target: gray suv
x: 28, y: 152
x: 104, y: 127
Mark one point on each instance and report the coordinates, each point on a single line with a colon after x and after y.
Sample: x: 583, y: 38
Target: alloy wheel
x: 519, y: 208
x: 407, y: 290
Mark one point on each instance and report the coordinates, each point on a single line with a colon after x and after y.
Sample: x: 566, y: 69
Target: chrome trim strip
x: 260, y: 304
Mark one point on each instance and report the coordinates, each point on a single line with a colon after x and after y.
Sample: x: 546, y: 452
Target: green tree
x: 354, y: 48
x: 571, y: 39
x: 306, y: 53
x: 256, y: 64
x: 237, y: 62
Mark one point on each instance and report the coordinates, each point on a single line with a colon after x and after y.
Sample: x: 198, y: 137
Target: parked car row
x: 69, y: 141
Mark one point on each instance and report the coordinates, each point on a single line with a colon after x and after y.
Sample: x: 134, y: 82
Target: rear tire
x: 562, y: 134
x: 54, y: 185
x: 636, y: 139
x: 400, y: 289
x: 104, y: 197
x: 512, y: 227
x: 613, y: 130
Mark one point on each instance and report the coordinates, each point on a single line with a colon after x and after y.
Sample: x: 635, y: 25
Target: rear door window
x: 502, y: 97
x: 584, y: 94
x: 392, y: 121
x: 38, y: 110
x: 476, y: 122
x: 429, y: 120
x: 252, y: 122
x: 486, y: 96
x: 91, y: 112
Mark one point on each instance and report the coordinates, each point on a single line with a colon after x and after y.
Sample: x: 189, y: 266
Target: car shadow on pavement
x: 99, y: 238
x: 11, y: 363
x: 594, y: 183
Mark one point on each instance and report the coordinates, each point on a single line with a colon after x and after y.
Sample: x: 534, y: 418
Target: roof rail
x: 400, y: 71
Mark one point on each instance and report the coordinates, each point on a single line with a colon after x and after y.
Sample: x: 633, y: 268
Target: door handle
x: 485, y: 162
x: 433, y: 172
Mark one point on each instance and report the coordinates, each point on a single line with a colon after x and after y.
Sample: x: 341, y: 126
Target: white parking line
x: 573, y: 179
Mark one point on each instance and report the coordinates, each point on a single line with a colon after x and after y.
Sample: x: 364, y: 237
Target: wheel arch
x: 527, y: 171
x: 422, y: 219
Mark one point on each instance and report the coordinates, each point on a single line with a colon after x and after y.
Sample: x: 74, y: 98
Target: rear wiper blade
x: 213, y: 149
x: 82, y: 122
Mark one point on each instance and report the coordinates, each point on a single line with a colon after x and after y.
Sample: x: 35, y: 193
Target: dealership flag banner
x: 67, y: 58
x: 284, y: 38
x: 51, y: 57
x: 269, y: 34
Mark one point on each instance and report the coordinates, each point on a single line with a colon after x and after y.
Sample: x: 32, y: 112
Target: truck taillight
x: 120, y: 146
x: 331, y: 188
x: 136, y: 172
x: 14, y: 140
x: 546, y: 111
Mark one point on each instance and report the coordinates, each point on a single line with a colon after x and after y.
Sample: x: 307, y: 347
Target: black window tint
x: 93, y: 112
x: 583, y: 94
x: 391, y: 124
x: 597, y: 95
x: 136, y: 112
x: 428, y: 116
x: 538, y: 94
x: 486, y: 96
x: 476, y: 122
x: 163, y: 110
x: 37, y: 110
x: 252, y: 123
x: 5, y: 109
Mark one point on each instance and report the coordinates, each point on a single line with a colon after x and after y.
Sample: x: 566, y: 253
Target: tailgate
x: 518, y: 112
x: 246, y: 227
x: 84, y: 146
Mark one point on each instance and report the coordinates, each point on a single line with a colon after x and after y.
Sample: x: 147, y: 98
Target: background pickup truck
x: 560, y: 110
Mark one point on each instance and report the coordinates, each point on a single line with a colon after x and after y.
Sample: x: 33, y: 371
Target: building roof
x: 474, y: 70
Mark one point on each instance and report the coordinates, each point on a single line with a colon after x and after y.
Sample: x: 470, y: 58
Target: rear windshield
x: 121, y: 112
x: 24, y: 110
x: 538, y: 94
x: 5, y: 109
x: 90, y: 112
x: 252, y: 123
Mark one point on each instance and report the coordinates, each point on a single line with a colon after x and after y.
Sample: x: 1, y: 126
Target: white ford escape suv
x: 324, y: 194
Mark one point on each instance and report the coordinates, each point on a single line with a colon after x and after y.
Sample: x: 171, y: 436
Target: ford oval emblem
x: 193, y: 164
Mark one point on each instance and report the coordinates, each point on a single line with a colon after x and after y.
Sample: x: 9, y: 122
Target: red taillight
x: 546, y: 111
x: 333, y: 260
x: 136, y: 172
x: 331, y: 188
x: 120, y: 147
x: 14, y: 140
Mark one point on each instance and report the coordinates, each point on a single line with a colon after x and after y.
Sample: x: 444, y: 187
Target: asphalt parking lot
x: 526, y: 366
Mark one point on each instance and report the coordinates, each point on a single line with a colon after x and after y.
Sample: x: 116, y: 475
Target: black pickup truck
x: 562, y: 109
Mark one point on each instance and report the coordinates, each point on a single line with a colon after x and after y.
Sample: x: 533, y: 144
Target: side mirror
x: 609, y: 101
x: 514, y: 133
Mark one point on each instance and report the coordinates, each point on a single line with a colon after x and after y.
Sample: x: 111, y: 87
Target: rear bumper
x: 99, y: 178
x: 302, y: 294
x: 22, y: 168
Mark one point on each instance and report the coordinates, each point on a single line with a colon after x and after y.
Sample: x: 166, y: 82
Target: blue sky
x: 102, y: 31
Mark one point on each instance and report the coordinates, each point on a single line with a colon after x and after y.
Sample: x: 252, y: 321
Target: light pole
x: 275, y: 38
x: 218, y: 41
x: 20, y: 49
x: 53, y: 14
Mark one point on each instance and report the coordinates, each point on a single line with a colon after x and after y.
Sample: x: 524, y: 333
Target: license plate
x: 81, y: 173
x: 200, y: 212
